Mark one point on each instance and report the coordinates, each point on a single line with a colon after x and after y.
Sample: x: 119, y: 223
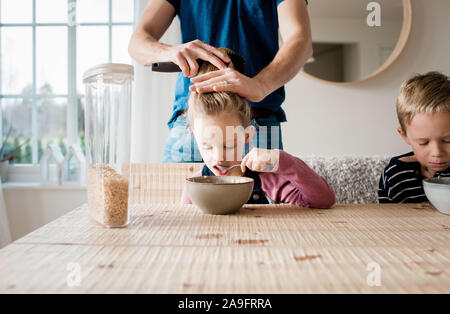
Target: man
x: 248, y: 27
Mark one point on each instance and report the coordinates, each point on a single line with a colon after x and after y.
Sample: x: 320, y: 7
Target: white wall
x: 32, y: 206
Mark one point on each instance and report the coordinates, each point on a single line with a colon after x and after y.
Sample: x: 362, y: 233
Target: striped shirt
x: 401, y: 182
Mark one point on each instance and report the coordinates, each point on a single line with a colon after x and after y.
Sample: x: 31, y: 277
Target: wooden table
x: 262, y: 249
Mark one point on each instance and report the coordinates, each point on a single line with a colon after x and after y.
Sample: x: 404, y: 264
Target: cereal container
x: 107, y: 139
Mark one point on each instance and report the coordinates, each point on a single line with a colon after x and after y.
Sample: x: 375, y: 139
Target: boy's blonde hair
x: 426, y: 93
x: 215, y: 103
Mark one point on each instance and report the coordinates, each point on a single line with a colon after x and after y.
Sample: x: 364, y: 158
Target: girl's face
x: 429, y: 136
x: 221, y: 140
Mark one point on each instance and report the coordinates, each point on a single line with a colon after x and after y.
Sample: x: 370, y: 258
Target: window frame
x: 72, y: 95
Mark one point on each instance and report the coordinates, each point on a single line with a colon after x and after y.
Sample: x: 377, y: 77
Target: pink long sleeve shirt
x: 294, y: 182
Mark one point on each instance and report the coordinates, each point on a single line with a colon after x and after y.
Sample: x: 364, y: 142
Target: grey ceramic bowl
x: 219, y: 195
x: 438, y: 193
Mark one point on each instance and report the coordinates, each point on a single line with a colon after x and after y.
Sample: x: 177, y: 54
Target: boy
x: 423, y: 110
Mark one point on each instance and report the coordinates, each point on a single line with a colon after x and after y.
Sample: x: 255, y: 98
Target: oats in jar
x: 107, y: 196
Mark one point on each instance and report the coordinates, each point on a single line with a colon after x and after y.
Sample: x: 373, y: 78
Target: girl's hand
x: 186, y: 55
x: 261, y: 160
x: 229, y: 80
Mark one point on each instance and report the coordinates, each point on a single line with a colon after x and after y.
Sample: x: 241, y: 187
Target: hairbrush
x: 237, y: 63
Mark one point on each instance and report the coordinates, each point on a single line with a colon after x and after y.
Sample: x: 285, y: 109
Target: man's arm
x: 295, y: 31
x: 155, y: 20
x: 297, y: 49
x: 145, y: 47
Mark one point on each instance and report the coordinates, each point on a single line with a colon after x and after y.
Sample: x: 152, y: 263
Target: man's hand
x: 186, y: 55
x: 229, y: 80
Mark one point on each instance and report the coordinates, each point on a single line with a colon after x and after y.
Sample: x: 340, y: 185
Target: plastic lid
x: 108, y: 68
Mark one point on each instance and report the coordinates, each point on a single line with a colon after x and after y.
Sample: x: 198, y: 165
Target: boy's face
x: 221, y: 140
x: 429, y: 136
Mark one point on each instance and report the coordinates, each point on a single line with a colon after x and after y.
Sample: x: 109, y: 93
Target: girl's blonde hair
x: 215, y: 103
x: 423, y: 93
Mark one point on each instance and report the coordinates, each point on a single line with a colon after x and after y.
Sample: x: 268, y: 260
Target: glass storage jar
x: 107, y: 140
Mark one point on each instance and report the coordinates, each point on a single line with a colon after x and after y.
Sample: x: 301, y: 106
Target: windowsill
x: 28, y: 177
x: 23, y: 173
x: 39, y: 186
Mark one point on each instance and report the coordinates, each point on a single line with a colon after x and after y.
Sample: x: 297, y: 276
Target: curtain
x: 153, y: 95
x: 5, y: 234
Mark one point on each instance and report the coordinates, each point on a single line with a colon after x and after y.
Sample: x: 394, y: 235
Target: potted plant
x: 7, y: 153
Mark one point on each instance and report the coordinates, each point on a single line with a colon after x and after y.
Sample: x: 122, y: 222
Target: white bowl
x: 437, y: 191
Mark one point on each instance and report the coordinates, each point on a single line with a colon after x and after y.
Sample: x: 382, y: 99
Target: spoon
x: 223, y: 168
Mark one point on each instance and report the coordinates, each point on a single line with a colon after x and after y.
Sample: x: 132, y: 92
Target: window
x: 45, y: 46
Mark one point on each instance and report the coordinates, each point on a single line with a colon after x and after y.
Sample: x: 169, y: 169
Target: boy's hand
x: 261, y: 160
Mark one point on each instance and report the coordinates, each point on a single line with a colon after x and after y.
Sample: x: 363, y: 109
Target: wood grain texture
x: 163, y: 183
x: 261, y: 249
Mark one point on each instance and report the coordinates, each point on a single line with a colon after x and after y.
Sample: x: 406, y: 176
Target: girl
x: 221, y: 124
